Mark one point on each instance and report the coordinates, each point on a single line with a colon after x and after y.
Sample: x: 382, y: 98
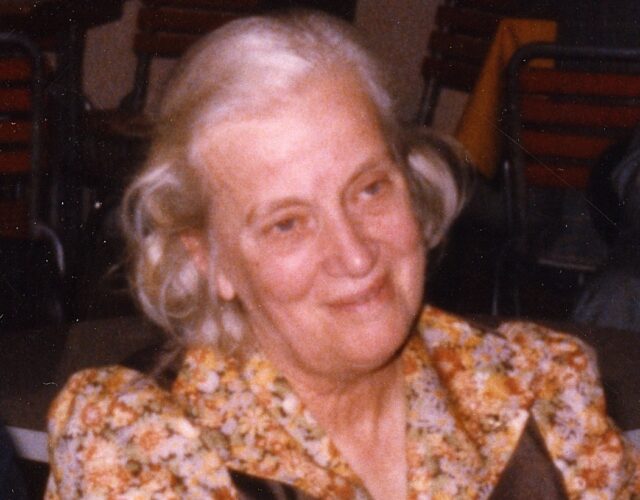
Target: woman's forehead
x: 260, y: 100
x: 314, y: 143
x: 308, y: 121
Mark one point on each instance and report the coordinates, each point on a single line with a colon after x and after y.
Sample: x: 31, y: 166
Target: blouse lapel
x: 254, y: 415
x: 467, y: 405
x: 488, y: 382
x: 441, y: 459
x: 274, y: 393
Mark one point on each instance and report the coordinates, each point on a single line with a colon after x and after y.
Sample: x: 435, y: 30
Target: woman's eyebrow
x: 258, y: 211
x: 376, y: 162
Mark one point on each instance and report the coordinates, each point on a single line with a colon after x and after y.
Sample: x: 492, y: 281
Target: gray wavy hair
x: 248, y: 66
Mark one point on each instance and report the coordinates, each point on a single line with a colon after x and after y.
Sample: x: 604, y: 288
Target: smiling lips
x: 363, y: 298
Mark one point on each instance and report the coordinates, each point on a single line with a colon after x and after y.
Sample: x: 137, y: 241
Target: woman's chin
x: 370, y: 341
x: 369, y: 350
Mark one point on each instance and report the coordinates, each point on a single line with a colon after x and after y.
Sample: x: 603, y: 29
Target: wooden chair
x: 116, y: 139
x: 22, y: 141
x: 27, y: 200
x: 463, y: 33
x: 560, y: 123
x: 165, y: 29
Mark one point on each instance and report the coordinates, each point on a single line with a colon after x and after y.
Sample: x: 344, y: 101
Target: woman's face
x: 314, y: 231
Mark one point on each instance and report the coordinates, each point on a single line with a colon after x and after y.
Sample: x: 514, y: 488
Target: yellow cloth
x: 478, y: 129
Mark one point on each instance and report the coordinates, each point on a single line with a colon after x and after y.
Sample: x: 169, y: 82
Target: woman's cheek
x: 400, y: 229
x: 285, y: 277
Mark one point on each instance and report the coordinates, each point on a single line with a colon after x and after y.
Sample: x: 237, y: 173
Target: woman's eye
x: 285, y: 225
x: 375, y: 188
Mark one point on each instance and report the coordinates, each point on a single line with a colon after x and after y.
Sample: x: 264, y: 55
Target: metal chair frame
x: 514, y: 176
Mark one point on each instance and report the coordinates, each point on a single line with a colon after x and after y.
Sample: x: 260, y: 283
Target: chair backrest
x: 166, y: 28
x: 561, y: 121
x: 20, y: 134
x: 22, y: 145
x: 458, y: 44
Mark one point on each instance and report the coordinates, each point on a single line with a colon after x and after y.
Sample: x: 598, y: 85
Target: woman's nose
x: 351, y: 252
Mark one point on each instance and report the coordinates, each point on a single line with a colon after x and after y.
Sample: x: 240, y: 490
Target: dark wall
x: 345, y: 9
x: 614, y: 23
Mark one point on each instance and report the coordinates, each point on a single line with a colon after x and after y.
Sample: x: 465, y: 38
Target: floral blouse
x: 469, y: 395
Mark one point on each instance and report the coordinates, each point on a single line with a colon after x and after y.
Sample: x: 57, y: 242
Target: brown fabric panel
x: 530, y: 473
x: 253, y: 487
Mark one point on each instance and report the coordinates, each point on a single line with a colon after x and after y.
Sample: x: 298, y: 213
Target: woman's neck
x: 365, y: 418
x: 358, y: 398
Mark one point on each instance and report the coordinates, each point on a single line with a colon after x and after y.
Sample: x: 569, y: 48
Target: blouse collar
x: 459, y: 435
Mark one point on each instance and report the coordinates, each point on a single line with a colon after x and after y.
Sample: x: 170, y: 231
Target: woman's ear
x: 225, y: 288
x: 195, y: 245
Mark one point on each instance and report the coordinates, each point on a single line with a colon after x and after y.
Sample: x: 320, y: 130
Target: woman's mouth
x: 362, y: 298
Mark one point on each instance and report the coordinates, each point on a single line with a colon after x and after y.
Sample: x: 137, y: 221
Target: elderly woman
x: 279, y: 230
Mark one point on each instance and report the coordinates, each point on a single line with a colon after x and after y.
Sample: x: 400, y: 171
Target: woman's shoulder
x: 551, y: 376
x: 113, y: 431
x: 92, y: 395
x: 517, y: 361
x: 528, y: 345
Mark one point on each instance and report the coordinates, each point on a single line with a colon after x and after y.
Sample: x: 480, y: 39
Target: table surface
x: 34, y: 365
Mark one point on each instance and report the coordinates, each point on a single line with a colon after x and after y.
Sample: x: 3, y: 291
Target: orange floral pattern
x: 469, y: 392
x: 114, y: 434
